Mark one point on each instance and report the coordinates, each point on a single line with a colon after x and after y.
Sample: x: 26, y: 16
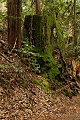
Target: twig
x: 13, y: 47
x: 2, y: 42
x: 6, y: 58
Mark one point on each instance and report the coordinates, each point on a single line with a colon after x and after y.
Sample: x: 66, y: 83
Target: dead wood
x: 6, y: 58
x: 2, y: 42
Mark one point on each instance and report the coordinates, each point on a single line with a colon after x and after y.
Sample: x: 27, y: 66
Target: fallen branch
x: 6, y: 58
x: 13, y: 47
x: 2, y: 42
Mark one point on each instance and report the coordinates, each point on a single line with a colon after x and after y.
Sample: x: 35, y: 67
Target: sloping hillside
x: 22, y: 98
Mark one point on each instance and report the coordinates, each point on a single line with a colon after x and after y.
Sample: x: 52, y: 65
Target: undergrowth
x: 29, y: 57
x: 72, y: 51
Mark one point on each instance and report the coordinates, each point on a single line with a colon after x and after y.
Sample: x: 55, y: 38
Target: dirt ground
x: 22, y: 99
x: 33, y: 103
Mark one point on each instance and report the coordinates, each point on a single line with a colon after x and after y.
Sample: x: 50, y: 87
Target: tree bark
x: 38, y: 11
x: 75, y: 37
x: 14, y: 23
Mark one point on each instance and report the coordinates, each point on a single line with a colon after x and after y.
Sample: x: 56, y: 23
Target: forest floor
x: 22, y: 99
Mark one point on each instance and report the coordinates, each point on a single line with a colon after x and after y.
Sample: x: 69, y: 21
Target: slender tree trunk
x: 38, y: 11
x: 75, y: 37
x: 75, y: 31
x: 14, y: 23
x: 19, y: 10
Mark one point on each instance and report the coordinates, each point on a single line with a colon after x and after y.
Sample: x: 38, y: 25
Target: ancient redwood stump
x: 38, y: 30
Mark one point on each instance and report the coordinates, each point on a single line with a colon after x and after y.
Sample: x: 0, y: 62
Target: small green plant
x: 29, y: 56
x: 2, y: 66
x: 15, y: 66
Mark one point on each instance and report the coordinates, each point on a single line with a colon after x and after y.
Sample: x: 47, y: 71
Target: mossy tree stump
x: 38, y: 30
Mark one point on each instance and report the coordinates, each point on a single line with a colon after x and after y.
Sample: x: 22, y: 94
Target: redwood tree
x: 14, y: 23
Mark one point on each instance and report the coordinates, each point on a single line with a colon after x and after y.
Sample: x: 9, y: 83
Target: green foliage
x: 29, y: 57
x: 15, y: 66
x: 3, y: 14
x: 77, y: 48
x: 28, y: 8
x: 70, y: 50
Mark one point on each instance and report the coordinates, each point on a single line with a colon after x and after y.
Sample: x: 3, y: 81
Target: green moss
x: 43, y: 83
x: 50, y: 67
x: 60, y: 35
x: 59, y: 42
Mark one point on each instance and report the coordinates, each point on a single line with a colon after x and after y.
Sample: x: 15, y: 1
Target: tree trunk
x: 38, y: 11
x: 75, y: 41
x: 14, y: 24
